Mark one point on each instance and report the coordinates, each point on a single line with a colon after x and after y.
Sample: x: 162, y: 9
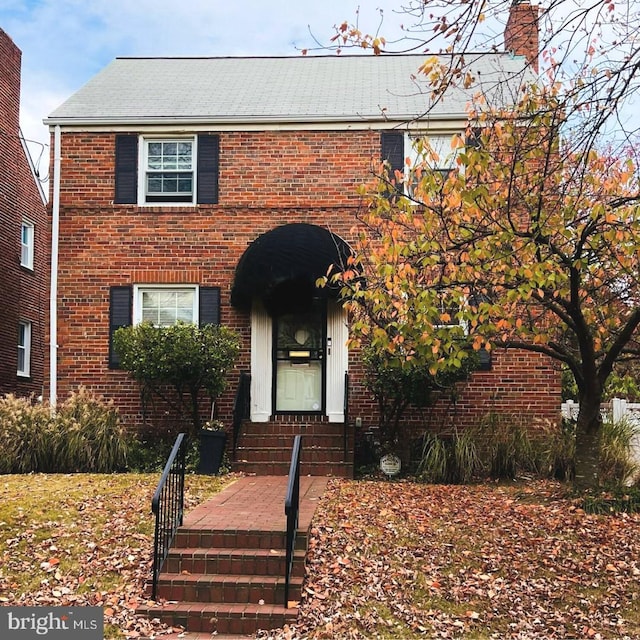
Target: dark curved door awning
x: 281, y: 267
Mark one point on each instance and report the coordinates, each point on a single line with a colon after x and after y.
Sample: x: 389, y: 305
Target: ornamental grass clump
x: 83, y: 434
x: 25, y: 435
x: 88, y: 435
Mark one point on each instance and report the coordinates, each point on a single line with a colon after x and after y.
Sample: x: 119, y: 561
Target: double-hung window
x: 24, y: 349
x: 161, y: 304
x: 169, y: 170
x: 430, y: 152
x: 166, y: 170
x: 27, y: 244
x: 165, y: 305
x: 408, y: 154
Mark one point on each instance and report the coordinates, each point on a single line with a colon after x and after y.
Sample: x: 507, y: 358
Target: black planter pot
x: 211, y: 450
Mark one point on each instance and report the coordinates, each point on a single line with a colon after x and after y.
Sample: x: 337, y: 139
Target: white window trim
x: 441, y: 144
x: 459, y: 322
x: 29, y: 248
x: 142, y: 169
x: 25, y: 348
x: 139, y: 288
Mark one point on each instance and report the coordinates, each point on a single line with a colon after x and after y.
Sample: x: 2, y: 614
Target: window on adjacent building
x: 166, y: 170
x: 27, y: 244
x: 24, y: 349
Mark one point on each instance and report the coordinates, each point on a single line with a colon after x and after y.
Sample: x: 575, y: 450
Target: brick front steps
x: 225, y: 571
x: 264, y: 448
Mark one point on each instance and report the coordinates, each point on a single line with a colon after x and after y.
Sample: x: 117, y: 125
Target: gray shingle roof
x: 277, y: 90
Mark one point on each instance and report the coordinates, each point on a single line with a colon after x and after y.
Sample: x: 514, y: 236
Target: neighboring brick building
x: 24, y: 243
x: 179, y: 183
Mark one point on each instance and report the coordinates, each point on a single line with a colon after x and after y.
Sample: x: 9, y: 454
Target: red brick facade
x: 266, y: 179
x: 24, y: 291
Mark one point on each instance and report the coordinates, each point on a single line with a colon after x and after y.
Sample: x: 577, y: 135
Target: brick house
x: 24, y: 243
x: 219, y: 190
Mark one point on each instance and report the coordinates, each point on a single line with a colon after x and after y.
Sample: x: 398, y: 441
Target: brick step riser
x: 251, y: 454
x: 226, y: 591
x: 247, y: 566
x: 322, y: 440
x: 291, y: 429
x: 208, y: 538
x: 210, y: 620
x: 338, y: 470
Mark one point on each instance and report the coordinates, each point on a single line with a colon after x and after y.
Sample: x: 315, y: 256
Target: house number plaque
x: 390, y: 464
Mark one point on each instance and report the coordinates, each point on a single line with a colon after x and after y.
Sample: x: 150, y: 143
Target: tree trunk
x: 588, y: 432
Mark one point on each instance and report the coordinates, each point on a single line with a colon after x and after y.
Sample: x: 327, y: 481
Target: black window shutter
x: 126, y: 172
x: 209, y: 302
x: 119, y: 316
x: 393, y: 150
x: 473, y: 138
x: 208, y: 160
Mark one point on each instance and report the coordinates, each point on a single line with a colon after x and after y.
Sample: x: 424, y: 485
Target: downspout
x: 53, y: 300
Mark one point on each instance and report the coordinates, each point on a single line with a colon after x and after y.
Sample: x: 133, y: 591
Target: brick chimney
x: 521, y: 32
x: 10, y: 60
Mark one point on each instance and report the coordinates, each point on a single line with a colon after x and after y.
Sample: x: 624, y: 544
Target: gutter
x: 53, y: 299
x: 366, y: 121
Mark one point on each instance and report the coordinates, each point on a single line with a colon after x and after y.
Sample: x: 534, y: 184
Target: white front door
x: 295, y: 382
x: 299, y: 358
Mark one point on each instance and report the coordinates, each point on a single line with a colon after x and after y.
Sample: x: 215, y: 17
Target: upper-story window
x: 27, y: 244
x: 406, y: 153
x: 166, y: 170
x: 169, y: 170
x: 24, y: 349
x: 432, y: 152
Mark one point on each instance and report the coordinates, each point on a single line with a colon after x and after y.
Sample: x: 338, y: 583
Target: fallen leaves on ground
x: 84, y: 540
x: 405, y: 560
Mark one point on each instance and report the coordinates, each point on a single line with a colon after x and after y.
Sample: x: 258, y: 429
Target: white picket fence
x: 617, y: 409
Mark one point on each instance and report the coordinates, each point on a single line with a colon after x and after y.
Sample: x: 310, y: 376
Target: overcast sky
x: 66, y: 42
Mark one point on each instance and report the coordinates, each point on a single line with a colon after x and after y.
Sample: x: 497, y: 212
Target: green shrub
x: 178, y: 363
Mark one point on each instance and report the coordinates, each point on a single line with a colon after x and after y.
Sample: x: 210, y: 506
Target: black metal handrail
x: 345, y: 413
x: 241, y: 406
x: 168, y: 506
x: 292, y: 510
